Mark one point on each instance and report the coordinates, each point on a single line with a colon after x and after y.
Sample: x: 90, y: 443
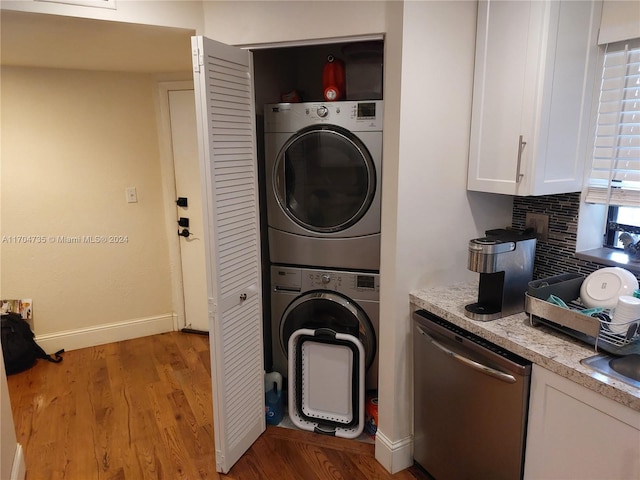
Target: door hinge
x: 213, y: 309
x: 197, y: 58
x: 219, y: 460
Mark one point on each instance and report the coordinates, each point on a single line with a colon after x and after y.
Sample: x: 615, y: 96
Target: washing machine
x: 343, y: 301
x: 323, y: 185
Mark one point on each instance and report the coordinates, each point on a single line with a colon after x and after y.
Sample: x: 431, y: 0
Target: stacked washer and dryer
x: 323, y: 187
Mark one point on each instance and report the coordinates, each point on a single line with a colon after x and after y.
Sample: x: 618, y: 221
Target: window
x: 615, y: 174
x: 622, y: 220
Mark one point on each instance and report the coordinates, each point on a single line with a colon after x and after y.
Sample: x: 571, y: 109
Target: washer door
x: 326, y: 309
x: 324, y: 178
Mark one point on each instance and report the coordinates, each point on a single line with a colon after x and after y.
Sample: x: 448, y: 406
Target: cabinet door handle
x: 521, y: 145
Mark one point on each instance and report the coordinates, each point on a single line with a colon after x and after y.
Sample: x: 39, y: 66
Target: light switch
x: 132, y: 195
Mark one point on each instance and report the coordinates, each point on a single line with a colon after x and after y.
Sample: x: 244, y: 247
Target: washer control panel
x: 356, y: 285
x: 326, y: 280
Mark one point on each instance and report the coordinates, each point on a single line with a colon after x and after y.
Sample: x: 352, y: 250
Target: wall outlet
x: 540, y: 223
x: 132, y: 195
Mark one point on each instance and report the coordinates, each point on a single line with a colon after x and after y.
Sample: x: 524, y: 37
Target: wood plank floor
x: 141, y: 409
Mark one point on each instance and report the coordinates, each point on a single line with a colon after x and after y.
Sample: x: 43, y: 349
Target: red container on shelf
x: 333, y: 79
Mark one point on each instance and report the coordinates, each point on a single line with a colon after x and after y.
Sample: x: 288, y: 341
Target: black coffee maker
x: 504, y: 259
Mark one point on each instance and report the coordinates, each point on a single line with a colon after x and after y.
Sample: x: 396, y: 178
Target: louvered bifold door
x: 226, y: 136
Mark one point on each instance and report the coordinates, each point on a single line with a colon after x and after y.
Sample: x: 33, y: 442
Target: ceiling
x: 54, y: 41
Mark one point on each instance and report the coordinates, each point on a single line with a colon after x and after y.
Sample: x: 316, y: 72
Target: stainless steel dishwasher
x: 471, y: 400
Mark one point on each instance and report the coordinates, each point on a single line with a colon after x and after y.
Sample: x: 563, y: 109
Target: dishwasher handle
x: 504, y: 377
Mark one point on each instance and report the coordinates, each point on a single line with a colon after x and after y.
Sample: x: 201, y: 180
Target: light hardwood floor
x: 141, y: 409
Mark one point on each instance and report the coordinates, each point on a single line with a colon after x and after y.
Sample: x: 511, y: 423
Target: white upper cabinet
x: 532, y: 96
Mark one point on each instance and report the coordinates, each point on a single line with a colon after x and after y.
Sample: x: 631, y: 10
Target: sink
x: 628, y: 366
x: 625, y: 369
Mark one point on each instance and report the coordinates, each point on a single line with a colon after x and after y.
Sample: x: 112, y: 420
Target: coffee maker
x: 504, y: 260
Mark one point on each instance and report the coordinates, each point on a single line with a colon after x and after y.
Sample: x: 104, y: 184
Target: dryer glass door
x: 325, y: 178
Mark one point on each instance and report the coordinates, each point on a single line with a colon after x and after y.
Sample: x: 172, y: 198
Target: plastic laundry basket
x: 326, y: 382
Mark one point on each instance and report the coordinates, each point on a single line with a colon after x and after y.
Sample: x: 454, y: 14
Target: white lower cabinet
x: 575, y: 433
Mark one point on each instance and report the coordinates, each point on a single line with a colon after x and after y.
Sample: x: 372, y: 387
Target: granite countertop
x: 542, y: 345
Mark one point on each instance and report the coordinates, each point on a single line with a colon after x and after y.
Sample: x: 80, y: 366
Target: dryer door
x: 327, y: 309
x: 324, y: 178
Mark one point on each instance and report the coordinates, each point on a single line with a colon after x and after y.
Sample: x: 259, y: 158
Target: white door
x: 226, y: 138
x: 184, y: 144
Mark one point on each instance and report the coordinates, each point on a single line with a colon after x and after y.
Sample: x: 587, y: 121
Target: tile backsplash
x: 557, y: 254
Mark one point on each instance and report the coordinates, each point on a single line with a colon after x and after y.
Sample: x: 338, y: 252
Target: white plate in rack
x: 603, y: 287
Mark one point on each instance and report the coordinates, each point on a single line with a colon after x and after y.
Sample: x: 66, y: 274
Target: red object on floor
x: 371, y: 416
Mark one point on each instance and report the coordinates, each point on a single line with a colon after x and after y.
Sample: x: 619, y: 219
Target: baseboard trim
x: 111, y: 332
x: 18, y: 468
x: 394, y: 456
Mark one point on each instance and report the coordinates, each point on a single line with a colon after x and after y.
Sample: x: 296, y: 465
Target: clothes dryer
x: 345, y: 302
x: 323, y: 185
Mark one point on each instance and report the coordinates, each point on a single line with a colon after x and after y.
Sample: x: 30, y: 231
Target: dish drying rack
x: 590, y: 329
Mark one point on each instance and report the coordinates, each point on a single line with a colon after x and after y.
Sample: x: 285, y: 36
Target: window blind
x: 615, y: 172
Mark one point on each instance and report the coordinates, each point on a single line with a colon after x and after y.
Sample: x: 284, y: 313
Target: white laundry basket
x: 326, y: 382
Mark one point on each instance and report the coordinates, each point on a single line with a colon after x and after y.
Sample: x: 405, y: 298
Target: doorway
x: 184, y: 149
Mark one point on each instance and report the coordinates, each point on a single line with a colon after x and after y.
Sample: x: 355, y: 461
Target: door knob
x: 184, y: 233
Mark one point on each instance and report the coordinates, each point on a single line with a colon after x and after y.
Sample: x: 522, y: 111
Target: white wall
x: 255, y: 21
x: 428, y: 216
x: 72, y: 142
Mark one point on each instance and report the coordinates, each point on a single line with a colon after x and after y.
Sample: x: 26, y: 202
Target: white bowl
x: 628, y: 309
x: 619, y: 317
x: 629, y: 302
x: 620, y: 328
x: 603, y: 287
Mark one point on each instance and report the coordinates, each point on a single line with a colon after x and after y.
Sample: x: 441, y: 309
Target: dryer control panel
x: 356, y: 116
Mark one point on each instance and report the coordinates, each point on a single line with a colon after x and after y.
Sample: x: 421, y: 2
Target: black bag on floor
x: 19, y: 349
